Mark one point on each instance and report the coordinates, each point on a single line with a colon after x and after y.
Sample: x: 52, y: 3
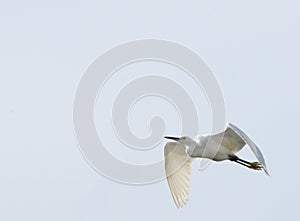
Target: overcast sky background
x: 252, y: 47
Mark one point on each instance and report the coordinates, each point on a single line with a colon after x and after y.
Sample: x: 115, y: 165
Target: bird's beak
x: 173, y: 138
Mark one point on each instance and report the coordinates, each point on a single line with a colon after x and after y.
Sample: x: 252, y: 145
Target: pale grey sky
x: 252, y: 47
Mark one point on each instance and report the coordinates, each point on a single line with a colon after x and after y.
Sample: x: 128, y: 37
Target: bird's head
x: 185, y: 140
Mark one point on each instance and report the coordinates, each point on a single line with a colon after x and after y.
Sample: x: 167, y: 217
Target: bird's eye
x: 183, y: 138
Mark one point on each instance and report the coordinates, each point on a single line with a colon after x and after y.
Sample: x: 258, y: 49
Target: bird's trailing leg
x: 251, y: 165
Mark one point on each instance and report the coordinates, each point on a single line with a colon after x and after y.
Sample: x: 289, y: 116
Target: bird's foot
x: 255, y: 166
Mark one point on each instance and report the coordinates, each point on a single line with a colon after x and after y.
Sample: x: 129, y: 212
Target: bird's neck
x: 192, y: 147
x: 197, y: 148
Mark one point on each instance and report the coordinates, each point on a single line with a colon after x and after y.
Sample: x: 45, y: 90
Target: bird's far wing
x: 178, y: 171
x: 229, y: 139
x: 252, y: 145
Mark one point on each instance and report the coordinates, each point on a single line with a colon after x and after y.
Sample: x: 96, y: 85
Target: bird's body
x: 217, y: 147
x: 212, y: 150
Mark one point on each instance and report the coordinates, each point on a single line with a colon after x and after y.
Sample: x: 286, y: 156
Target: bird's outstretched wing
x: 251, y: 144
x: 178, y: 171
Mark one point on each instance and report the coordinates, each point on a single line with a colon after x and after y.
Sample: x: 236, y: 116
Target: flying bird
x: 217, y: 147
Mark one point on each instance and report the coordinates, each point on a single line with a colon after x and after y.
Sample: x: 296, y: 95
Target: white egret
x: 217, y: 147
